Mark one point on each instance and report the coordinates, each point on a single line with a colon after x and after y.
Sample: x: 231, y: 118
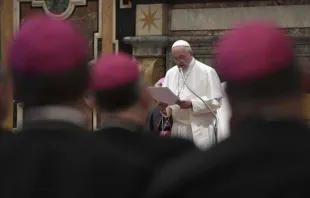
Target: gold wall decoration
x: 151, y: 19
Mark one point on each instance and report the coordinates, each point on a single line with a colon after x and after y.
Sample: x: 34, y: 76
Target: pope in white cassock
x: 191, y: 118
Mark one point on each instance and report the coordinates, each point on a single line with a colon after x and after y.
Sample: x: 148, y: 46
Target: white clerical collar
x: 55, y: 113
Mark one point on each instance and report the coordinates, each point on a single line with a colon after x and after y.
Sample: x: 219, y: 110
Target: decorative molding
x: 108, y: 25
x: 115, y: 41
x: 166, y: 41
x: 41, y: 3
x: 95, y: 120
x: 98, y: 35
x: 153, y: 46
x: 66, y: 14
x: 19, y: 115
x: 116, y: 46
x: 123, y: 4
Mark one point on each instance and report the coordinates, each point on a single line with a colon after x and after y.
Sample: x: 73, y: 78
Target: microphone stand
x: 213, y: 113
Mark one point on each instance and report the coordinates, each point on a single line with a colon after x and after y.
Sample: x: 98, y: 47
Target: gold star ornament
x: 149, y: 19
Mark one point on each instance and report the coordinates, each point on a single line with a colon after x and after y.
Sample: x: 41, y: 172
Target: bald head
x: 182, y: 53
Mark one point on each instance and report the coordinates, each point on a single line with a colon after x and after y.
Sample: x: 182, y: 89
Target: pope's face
x: 181, y: 57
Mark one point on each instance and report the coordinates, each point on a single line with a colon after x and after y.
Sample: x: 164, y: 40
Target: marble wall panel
x: 288, y: 16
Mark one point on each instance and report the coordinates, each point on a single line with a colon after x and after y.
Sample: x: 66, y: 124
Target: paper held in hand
x: 164, y: 95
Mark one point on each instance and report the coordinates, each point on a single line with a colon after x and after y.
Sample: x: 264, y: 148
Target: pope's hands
x: 185, y: 104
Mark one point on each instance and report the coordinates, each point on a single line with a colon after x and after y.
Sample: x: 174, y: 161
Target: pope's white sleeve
x: 200, y: 108
x: 215, y: 93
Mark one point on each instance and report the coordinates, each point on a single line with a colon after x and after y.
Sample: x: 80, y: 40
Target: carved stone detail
x: 66, y: 14
x: 148, y: 51
x: 152, y: 69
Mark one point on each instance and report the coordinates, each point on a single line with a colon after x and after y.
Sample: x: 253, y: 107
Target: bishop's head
x: 48, y: 58
x: 118, y: 85
x: 257, y: 61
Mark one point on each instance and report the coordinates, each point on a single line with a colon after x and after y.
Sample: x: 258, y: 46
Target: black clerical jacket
x: 47, y: 158
x: 260, y: 159
x: 138, y: 156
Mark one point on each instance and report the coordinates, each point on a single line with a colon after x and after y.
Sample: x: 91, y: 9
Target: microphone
x: 213, y: 113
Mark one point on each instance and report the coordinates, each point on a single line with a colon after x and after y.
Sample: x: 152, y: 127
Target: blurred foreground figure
x: 48, y: 60
x: 124, y: 102
x: 267, y: 154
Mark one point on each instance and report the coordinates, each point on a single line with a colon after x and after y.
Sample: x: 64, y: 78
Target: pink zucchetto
x: 161, y: 80
x: 47, y: 46
x: 114, y: 70
x: 253, y: 50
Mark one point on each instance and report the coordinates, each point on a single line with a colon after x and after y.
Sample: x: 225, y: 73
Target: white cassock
x: 224, y: 114
x: 196, y: 123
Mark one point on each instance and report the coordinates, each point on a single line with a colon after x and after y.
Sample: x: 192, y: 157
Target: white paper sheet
x: 164, y: 95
